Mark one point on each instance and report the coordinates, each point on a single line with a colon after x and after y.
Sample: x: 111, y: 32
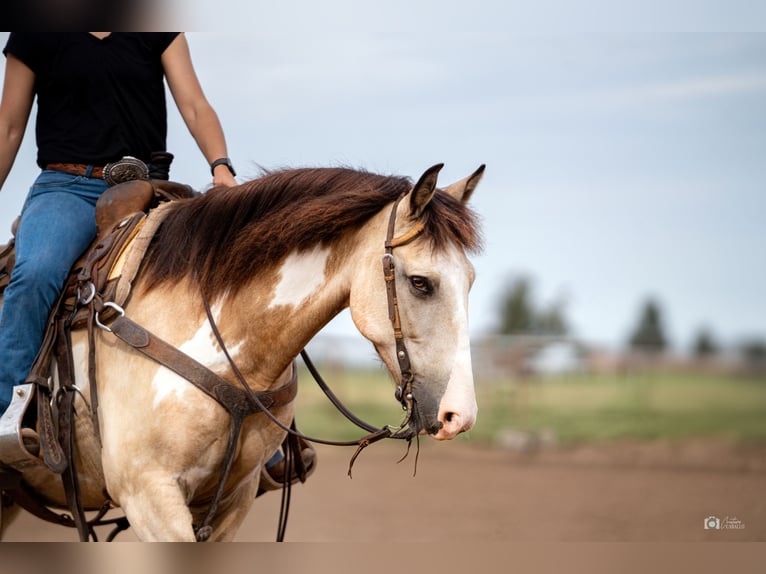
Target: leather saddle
x: 114, y: 204
x: 102, y: 277
x: 120, y: 212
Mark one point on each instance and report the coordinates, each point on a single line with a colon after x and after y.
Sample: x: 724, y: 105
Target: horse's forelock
x: 449, y: 221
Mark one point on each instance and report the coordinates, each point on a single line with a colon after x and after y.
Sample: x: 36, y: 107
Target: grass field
x: 574, y: 409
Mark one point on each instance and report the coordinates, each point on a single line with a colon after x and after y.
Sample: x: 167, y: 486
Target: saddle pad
x: 126, y: 266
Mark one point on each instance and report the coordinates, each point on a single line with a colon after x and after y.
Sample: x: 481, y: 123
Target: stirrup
x: 268, y: 482
x: 16, y: 442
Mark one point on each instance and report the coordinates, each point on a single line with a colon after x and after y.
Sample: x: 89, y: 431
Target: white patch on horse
x: 460, y: 395
x: 201, y: 347
x: 301, y: 275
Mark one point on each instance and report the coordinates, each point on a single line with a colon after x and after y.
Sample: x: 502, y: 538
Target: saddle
x: 117, y: 202
x: 121, y: 215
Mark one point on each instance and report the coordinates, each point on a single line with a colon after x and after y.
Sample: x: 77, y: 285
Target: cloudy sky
x: 623, y: 160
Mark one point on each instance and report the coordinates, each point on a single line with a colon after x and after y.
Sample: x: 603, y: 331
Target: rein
x: 404, y: 389
x: 242, y: 402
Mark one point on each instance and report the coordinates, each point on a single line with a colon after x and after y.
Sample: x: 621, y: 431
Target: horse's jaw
x: 444, y: 401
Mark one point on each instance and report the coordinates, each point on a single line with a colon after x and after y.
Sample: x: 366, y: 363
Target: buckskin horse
x: 240, y: 280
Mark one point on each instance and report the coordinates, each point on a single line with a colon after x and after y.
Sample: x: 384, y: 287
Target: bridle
x: 240, y: 403
x: 404, y: 393
x: 404, y: 389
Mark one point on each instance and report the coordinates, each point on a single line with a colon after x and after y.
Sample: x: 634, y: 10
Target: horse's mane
x: 220, y: 239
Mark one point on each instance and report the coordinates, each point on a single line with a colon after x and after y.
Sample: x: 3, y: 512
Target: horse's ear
x: 463, y: 189
x: 424, y: 190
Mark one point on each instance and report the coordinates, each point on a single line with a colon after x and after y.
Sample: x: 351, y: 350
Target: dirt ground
x: 659, y: 492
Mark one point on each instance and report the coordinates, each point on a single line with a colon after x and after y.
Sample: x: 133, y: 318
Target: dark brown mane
x: 221, y: 239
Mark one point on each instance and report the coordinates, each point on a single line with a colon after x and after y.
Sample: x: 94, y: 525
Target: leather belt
x: 77, y: 169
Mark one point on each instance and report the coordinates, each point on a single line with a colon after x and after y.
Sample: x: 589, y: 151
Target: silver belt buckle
x: 126, y: 169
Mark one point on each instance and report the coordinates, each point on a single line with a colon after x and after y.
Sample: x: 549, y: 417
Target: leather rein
x: 240, y: 402
x: 404, y: 388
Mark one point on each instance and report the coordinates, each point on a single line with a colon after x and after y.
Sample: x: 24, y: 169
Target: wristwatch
x: 222, y: 161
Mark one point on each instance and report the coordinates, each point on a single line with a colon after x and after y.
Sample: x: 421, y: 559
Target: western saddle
x: 121, y: 219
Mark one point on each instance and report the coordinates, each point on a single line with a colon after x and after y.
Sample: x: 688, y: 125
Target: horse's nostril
x: 448, y: 417
x: 435, y: 428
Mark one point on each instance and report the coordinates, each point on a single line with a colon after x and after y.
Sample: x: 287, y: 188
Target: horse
x: 277, y: 258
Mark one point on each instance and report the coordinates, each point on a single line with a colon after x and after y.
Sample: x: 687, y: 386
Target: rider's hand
x: 222, y: 177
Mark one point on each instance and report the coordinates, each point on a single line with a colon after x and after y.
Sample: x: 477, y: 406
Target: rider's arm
x: 18, y: 96
x: 196, y: 111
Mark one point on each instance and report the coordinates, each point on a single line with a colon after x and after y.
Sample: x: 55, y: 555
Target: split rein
x: 404, y: 389
x: 242, y: 402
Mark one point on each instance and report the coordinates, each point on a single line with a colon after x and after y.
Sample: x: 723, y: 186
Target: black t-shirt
x: 97, y: 100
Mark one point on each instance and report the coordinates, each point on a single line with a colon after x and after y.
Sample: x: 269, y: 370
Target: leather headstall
x: 404, y: 389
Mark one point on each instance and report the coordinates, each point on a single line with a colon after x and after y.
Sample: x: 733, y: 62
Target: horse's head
x: 299, y: 245
x: 417, y: 316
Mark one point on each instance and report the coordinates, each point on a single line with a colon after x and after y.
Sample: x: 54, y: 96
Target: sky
x: 625, y: 149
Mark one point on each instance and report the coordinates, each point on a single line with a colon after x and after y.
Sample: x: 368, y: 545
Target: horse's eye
x: 421, y: 285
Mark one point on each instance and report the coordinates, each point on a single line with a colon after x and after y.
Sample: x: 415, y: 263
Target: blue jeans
x: 275, y: 458
x: 57, y: 224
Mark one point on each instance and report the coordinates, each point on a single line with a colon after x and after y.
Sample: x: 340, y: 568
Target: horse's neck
x: 278, y: 314
x: 286, y: 307
x: 266, y: 323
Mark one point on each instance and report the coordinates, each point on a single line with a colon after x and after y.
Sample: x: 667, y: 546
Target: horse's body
x: 278, y: 258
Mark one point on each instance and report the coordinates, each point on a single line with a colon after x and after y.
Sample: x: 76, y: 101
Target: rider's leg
x: 57, y: 225
x: 275, y: 469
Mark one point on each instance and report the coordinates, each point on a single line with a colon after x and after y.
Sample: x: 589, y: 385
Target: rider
x: 100, y: 97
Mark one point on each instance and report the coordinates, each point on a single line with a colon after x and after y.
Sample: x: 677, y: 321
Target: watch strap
x: 223, y: 161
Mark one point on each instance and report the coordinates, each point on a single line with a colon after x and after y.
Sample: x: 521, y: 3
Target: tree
x: 704, y: 345
x: 519, y: 314
x: 551, y: 321
x: 754, y: 352
x: 649, y: 334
